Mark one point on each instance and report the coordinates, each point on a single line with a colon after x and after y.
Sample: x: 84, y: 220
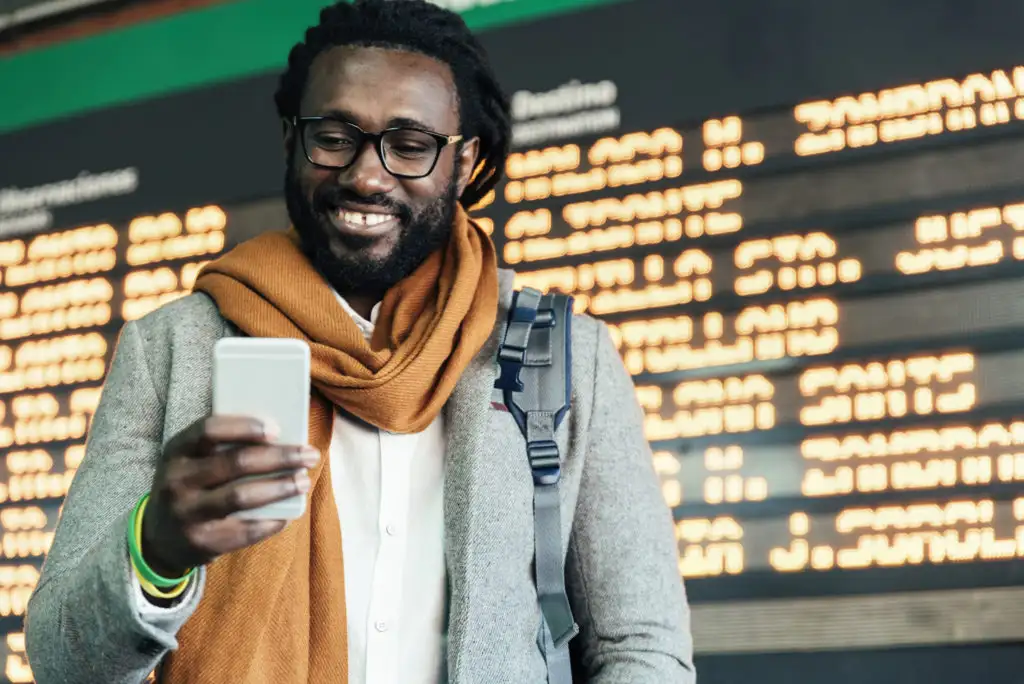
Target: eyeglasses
x: 404, y: 152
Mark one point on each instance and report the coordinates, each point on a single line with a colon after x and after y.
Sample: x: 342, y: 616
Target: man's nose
x: 367, y: 174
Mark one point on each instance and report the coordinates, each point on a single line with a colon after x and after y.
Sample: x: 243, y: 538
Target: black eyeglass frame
x: 443, y: 141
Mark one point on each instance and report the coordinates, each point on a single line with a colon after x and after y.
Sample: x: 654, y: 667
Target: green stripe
x: 184, y: 51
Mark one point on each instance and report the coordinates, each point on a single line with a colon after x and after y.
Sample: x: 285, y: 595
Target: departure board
x: 821, y: 308
x: 820, y: 299
x: 65, y: 295
x: 804, y: 321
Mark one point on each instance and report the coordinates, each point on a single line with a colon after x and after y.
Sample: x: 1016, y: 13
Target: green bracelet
x: 135, y: 551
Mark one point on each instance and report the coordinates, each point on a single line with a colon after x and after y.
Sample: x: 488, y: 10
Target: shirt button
x: 380, y: 626
x: 392, y: 530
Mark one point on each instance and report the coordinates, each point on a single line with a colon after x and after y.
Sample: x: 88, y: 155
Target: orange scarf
x: 274, y: 613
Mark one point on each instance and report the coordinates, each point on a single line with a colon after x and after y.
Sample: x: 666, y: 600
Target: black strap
x: 535, y: 362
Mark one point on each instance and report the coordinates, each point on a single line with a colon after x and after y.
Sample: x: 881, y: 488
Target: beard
x: 357, y: 271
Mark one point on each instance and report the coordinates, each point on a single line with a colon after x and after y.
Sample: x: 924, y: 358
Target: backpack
x: 535, y: 364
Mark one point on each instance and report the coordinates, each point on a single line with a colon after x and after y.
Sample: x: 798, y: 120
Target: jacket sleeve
x: 83, y: 624
x: 622, y: 565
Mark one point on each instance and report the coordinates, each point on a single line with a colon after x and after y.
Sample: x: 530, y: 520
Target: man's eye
x: 409, y: 150
x: 334, y: 142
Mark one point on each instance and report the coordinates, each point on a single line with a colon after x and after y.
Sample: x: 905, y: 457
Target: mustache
x: 327, y: 198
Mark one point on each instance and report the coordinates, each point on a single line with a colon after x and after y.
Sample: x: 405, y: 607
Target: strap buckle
x: 512, y: 354
x: 510, y: 362
x: 544, y: 462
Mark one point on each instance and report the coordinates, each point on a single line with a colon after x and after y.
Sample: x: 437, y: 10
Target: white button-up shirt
x: 389, y: 489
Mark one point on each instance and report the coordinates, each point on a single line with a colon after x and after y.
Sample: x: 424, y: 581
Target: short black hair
x: 421, y: 27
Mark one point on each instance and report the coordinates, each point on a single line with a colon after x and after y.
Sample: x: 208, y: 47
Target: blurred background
x: 803, y: 220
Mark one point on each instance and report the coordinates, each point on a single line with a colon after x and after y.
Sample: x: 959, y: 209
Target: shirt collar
x: 365, y: 326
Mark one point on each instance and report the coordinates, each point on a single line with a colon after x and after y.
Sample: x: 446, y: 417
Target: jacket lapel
x: 467, y: 471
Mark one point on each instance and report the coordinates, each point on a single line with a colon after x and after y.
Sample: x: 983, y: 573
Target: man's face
x: 363, y: 228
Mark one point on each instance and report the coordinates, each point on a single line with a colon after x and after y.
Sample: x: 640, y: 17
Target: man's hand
x: 197, y: 486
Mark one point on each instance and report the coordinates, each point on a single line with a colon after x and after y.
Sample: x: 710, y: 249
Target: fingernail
x: 302, y: 480
x: 310, y: 456
x: 270, y: 430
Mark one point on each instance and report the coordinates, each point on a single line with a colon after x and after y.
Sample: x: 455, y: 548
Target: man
x: 414, y: 561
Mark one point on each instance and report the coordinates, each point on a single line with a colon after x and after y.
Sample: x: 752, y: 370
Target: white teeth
x: 361, y: 219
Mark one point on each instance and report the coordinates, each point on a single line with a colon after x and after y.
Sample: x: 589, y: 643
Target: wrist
x: 165, y: 575
x: 151, y: 555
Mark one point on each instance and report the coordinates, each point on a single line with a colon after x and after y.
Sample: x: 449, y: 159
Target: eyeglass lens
x: 407, y: 152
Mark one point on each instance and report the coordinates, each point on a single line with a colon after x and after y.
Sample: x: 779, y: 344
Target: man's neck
x: 362, y: 304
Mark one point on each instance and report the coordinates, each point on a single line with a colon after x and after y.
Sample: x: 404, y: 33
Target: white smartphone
x: 266, y: 378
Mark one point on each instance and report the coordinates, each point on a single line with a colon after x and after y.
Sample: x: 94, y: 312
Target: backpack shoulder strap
x: 536, y: 373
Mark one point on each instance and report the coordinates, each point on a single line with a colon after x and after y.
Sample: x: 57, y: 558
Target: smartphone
x: 266, y: 378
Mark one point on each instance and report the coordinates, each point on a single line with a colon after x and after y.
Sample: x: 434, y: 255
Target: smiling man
x: 372, y: 230
x: 418, y: 560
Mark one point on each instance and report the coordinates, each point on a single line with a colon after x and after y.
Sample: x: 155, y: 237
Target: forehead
x: 375, y: 85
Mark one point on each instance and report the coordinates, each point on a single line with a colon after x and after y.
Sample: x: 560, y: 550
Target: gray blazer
x: 621, y: 563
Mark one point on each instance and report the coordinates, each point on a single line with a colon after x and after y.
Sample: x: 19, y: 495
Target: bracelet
x: 151, y: 590
x: 148, y: 587
x: 142, y: 569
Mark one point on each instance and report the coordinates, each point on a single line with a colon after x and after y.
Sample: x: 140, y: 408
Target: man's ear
x: 467, y: 162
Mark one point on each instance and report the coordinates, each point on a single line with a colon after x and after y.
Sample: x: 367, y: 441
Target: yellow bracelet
x: 153, y: 591
x: 148, y: 587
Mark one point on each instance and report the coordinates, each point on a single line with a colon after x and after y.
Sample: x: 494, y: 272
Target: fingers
x: 232, y: 462
x: 246, y: 494
x: 238, y: 429
x: 216, y: 467
x: 202, y: 437
x: 218, y: 537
